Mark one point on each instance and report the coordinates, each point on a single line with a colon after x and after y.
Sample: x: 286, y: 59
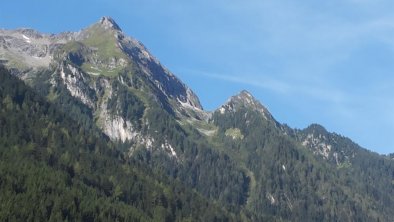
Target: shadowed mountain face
x: 238, y: 155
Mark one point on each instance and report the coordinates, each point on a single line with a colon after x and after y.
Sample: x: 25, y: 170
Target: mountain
x: 238, y: 157
x: 307, y: 171
x: 95, y: 66
x: 101, y: 48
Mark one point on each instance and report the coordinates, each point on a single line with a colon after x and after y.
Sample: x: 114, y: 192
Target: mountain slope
x: 53, y: 169
x: 301, y: 178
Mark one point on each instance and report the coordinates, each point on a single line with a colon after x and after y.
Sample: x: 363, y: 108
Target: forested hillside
x: 289, y: 183
x: 52, y: 169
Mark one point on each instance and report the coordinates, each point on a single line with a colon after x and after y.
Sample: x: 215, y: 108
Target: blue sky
x: 327, y: 62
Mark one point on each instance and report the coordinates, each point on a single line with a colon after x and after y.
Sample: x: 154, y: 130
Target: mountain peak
x: 316, y: 129
x: 108, y: 23
x: 245, y: 99
x: 245, y: 94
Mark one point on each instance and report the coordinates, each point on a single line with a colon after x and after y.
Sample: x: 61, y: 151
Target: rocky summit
x: 94, y: 128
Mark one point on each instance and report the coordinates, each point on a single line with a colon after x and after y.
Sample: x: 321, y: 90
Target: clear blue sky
x: 327, y: 62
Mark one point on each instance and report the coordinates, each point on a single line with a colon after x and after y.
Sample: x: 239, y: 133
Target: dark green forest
x: 294, y: 185
x: 54, y: 169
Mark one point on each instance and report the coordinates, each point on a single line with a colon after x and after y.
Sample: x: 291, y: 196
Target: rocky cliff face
x: 25, y: 49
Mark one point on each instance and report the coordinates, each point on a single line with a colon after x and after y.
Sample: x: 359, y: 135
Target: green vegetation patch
x: 344, y: 165
x: 98, y: 54
x: 105, y: 43
x: 234, y: 133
